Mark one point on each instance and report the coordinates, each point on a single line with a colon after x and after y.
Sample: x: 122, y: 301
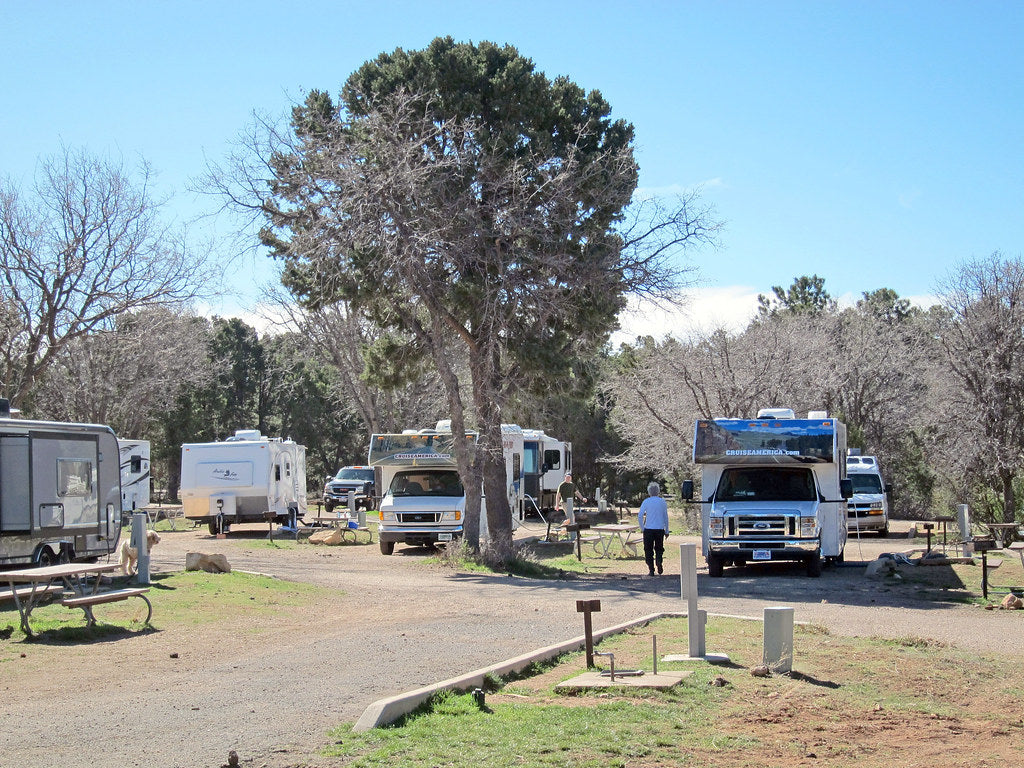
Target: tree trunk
x: 1009, y: 497
x: 499, y: 516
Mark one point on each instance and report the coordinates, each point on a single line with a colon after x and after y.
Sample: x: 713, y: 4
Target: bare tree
x: 124, y: 376
x: 82, y: 246
x: 984, y: 346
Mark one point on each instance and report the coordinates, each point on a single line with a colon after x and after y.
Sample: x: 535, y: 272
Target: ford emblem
x: 762, y: 526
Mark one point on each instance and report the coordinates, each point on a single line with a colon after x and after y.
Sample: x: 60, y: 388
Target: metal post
x: 139, y: 540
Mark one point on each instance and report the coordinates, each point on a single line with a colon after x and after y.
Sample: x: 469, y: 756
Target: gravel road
x: 401, y: 623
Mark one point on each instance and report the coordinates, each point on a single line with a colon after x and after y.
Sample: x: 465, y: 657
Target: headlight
x: 388, y: 517
x: 716, y: 527
x: 808, y: 527
x: 876, y: 510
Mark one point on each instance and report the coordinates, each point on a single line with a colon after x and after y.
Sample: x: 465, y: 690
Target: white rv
x: 60, y: 491
x: 423, y: 501
x: 247, y: 478
x: 869, y: 506
x: 545, y: 462
x: 772, y: 488
x: 135, y: 455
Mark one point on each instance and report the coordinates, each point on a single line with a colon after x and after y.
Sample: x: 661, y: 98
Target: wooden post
x: 587, y: 607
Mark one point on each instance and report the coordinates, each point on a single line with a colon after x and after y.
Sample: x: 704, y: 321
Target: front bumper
x: 418, y: 536
x: 788, y: 549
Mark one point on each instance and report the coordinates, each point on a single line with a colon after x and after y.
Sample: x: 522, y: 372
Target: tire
x: 715, y: 565
x: 883, y: 532
x: 387, y: 547
x: 814, y: 565
x: 45, y: 557
x: 213, y: 528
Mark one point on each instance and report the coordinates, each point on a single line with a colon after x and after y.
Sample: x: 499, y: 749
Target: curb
x: 386, y: 711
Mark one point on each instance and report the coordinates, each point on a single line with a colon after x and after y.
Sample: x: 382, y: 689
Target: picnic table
x: 608, y: 533
x: 78, y: 584
x: 1004, y: 533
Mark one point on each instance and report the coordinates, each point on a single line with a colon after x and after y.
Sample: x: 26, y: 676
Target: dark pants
x: 654, y: 548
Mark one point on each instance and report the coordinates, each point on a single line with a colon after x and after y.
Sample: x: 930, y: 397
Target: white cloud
x: 730, y: 307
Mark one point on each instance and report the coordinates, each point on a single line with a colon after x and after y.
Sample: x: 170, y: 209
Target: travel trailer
x: 60, y: 490
x: 247, y: 478
x: 135, y: 455
x: 772, y: 488
x: 869, y: 506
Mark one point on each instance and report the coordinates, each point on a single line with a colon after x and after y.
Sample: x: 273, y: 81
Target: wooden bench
x: 16, y: 593
x: 86, y: 602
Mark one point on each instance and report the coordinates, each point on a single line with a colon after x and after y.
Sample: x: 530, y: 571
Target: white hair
x: 653, y: 488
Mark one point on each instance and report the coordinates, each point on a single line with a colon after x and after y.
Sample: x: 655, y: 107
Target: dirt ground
x: 178, y: 697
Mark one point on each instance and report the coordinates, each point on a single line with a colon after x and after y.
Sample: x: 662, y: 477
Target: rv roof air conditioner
x: 776, y: 413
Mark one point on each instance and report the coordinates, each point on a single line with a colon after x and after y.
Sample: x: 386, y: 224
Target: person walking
x: 565, y: 497
x: 653, y: 519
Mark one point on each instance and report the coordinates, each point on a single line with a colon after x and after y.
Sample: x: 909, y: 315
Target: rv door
x: 65, y: 473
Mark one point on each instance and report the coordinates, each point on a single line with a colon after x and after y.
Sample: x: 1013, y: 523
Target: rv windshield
x: 766, y: 484
x: 431, y: 482
x: 866, y: 483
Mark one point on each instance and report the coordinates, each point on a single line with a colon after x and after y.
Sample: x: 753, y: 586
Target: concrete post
x: 139, y: 542
x: 778, y: 639
x: 351, y: 505
x: 688, y: 591
x: 963, y: 521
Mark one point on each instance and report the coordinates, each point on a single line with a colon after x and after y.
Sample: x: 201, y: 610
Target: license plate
x: 762, y: 554
x: 444, y: 537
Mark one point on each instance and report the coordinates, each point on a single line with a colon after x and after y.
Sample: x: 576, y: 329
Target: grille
x: 763, y: 525
x: 859, y: 510
x: 418, y: 517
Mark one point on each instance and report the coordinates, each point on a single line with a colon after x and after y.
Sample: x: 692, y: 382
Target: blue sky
x: 877, y: 144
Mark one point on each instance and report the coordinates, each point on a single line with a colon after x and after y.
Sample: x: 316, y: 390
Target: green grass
x: 837, y: 683
x: 184, y: 598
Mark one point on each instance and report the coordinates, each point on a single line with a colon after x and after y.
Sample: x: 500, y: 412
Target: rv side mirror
x: 888, y: 488
x: 545, y: 467
x: 846, y: 488
x: 687, y: 490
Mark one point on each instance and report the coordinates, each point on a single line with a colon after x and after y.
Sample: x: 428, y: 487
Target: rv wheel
x: 814, y: 564
x: 45, y: 557
x: 715, y: 565
x: 387, y: 547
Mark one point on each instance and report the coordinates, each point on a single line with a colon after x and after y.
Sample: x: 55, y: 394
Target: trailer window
x: 766, y: 484
x: 74, y: 477
x: 553, y: 459
x: 136, y: 465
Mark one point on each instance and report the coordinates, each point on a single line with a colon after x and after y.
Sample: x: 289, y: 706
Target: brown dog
x: 128, y: 556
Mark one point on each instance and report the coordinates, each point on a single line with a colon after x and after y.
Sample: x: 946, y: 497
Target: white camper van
x: 772, y: 488
x: 423, y: 500
x: 869, y: 507
x: 60, y: 491
x: 247, y: 478
x: 135, y: 455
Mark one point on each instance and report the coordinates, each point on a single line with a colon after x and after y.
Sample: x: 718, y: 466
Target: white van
x: 869, y: 507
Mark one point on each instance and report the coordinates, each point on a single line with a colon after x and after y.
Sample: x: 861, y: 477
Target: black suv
x: 358, y: 479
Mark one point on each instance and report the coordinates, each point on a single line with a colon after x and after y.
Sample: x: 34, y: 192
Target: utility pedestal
x: 696, y: 619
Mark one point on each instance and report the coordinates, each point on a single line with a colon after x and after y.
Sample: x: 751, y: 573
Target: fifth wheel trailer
x: 60, y: 489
